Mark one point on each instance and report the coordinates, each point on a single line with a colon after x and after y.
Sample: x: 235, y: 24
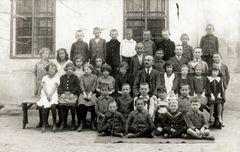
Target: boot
x: 80, y: 127
x: 54, y: 116
x: 93, y: 125
x: 73, y: 125
x: 44, y: 120
x: 40, y: 119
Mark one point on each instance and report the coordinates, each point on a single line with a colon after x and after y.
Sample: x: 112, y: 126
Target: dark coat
x: 178, y: 63
x: 168, y: 46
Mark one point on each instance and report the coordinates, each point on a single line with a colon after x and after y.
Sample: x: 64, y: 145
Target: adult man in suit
x: 147, y: 75
x: 178, y: 59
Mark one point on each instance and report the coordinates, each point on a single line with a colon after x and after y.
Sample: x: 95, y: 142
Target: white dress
x: 50, y: 82
x: 60, y: 67
x: 169, y: 82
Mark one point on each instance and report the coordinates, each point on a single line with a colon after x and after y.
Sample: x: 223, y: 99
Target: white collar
x: 131, y: 41
x: 144, y: 97
x: 195, y: 60
x: 211, y: 79
x: 150, y: 69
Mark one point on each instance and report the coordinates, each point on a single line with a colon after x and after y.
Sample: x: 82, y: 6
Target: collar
x: 183, y: 97
x: 143, y: 111
x: 211, y: 79
x: 193, y: 112
x: 146, y: 97
x: 131, y: 41
x: 158, y: 60
x: 173, y: 115
x: 198, y: 77
x: 195, y: 60
x: 150, y: 69
x: 105, y: 97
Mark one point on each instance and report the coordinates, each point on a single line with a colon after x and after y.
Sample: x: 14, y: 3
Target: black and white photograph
x: 119, y: 75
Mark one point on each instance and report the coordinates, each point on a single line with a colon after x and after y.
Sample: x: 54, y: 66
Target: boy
x: 173, y: 123
x: 102, y: 104
x: 97, y: 46
x: 158, y: 61
x: 127, y: 47
x: 184, y: 100
x: 139, y: 122
x: 178, y: 59
x: 113, y: 122
x: 158, y: 105
x: 209, y: 44
x: 79, y: 47
x: 144, y: 90
x: 137, y: 61
x: 184, y: 77
x: 197, y: 123
x: 187, y: 49
x: 167, y: 45
x: 113, y: 51
x: 197, y: 60
x: 125, y: 101
x: 149, y: 45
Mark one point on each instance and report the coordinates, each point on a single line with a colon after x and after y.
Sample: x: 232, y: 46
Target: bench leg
x: 25, y: 114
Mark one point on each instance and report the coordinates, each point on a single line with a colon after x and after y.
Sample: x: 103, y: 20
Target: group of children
x: 179, y: 84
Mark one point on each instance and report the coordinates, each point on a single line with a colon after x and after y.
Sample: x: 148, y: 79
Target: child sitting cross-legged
x: 102, y: 103
x: 197, y: 122
x: 113, y: 122
x: 139, y: 122
x: 173, y: 123
x: 184, y: 100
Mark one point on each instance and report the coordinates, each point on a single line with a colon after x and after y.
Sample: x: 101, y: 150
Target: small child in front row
x: 113, y: 122
x: 68, y: 91
x: 184, y: 100
x: 125, y: 101
x: 197, y: 122
x: 158, y: 61
x: 144, y: 90
x: 158, y: 104
x: 139, y: 122
x: 214, y: 92
x: 49, y: 95
x: 102, y: 103
x: 173, y: 123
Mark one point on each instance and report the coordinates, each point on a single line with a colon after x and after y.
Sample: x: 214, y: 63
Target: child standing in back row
x: 97, y: 46
x: 209, y: 44
x: 187, y: 49
x: 79, y: 47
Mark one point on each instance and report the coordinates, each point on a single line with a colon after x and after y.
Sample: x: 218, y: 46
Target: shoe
x: 47, y: 125
x: 103, y: 134
x: 184, y: 136
x: 209, y: 137
x: 130, y: 135
x: 43, y: 129
x: 61, y: 127
x: 73, y: 127
x: 118, y: 135
x: 165, y: 136
x: 93, y: 126
x: 153, y: 135
x: 39, y: 125
x: 54, y: 128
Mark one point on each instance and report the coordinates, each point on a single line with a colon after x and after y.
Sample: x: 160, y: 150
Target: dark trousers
x: 40, y: 111
x: 64, y: 113
x: 175, y: 134
x: 82, y: 112
x: 110, y: 130
x: 208, y: 59
x: 145, y: 132
x: 126, y: 59
x: 45, y: 113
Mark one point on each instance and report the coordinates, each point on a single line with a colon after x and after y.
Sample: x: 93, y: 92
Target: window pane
x: 24, y: 27
x: 44, y: 43
x: 44, y: 7
x: 156, y: 26
x: 23, y: 46
x: 23, y: 6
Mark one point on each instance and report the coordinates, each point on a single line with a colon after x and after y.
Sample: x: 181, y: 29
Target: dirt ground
x: 14, y: 139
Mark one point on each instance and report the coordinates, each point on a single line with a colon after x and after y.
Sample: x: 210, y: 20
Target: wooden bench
x: 26, y: 105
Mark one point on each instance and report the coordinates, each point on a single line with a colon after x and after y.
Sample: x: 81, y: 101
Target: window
x: 142, y: 15
x: 33, y: 27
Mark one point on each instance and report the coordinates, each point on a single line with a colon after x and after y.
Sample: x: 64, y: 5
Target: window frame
x: 12, y: 42
x: 145, y: 16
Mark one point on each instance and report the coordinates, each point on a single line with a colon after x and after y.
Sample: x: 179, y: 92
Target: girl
x: 62, y: 60
x: 88, y: 83
x: 40, y: 72
x: 214, y: 92
x: 123, y: 77
x: 184, y: 78
x: 68, y: 92
x: 98, y: 66
x: 106, y: 79
x: 49, y: 96
x: 170, y: 79
x: 78, y: 62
